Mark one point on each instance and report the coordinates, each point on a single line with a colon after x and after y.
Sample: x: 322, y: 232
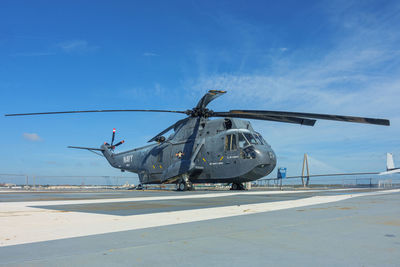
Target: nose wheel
x: 184, y: 185
x: 237, y: 186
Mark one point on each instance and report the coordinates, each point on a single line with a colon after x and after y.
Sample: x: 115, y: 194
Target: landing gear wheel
x: 182, y: 186
x: 234, y: 186
x: 237, y: 186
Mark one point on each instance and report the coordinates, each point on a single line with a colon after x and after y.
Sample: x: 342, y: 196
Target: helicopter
x: 201, y: 150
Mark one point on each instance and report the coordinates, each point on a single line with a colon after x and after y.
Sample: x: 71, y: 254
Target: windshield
x: 242, y: 141
x: 259, y: 138
x: 250, y: 138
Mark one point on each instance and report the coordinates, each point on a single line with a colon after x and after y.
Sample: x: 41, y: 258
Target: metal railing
x: 349, y: 181
x: 24, y: 180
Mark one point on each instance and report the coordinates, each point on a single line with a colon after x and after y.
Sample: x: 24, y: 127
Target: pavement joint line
x: 209, y: 195
x: 50, y: 225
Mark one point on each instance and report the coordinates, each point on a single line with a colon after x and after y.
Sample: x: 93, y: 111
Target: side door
x: 214, y: 155
x: 231, y: 154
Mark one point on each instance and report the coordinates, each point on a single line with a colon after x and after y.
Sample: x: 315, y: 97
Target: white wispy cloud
x: 77, y: 46
x: 149, y: 93
x: 150, y: 54
x: 156, y: 91
x: 34, y: 137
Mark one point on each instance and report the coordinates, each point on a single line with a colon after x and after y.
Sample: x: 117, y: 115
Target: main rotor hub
x: 200, y: 112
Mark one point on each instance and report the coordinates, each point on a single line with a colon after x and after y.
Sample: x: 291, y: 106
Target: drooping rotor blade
x: 207, y: 98
x: 87, y: 148
x: 176, y: 124
x: 287, y: 119
x: 91, y: 149
x: 315, y: 116
x: 91, y: 111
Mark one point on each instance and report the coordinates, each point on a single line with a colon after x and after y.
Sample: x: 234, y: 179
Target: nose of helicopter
x: 266, y: 160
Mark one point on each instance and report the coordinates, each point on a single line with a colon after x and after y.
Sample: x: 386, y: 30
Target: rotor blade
x: 176, y: 124
x: 207, y: 98
x: 316, y: 116
x: 91, y: 111
x: 87, y: 148
x: 286, y: 119
x: 113, y: 137
x: 119, y: 143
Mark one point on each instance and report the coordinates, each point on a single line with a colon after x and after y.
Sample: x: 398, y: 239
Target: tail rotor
x: 112, y: 146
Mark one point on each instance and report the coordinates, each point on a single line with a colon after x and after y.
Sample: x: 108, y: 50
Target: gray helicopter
x: 200, y: 150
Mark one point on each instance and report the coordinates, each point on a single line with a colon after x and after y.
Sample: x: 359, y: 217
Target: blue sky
x: 340, y: 57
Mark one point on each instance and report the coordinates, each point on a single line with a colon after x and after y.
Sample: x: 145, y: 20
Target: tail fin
x: 108, y: 154
x: 389, y: 162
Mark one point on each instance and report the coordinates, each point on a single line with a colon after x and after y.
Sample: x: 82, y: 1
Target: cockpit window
x: 250, y: 138
x: 262, y: 138
x: 230, y: 142
x: 233, y: 144
x: 242, y: 141
x: 259, y: 138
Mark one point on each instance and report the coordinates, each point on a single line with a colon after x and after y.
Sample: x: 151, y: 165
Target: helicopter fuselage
x: 202, y: 151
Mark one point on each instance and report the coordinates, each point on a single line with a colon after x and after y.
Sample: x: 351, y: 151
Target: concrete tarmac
x: 252, y: 228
